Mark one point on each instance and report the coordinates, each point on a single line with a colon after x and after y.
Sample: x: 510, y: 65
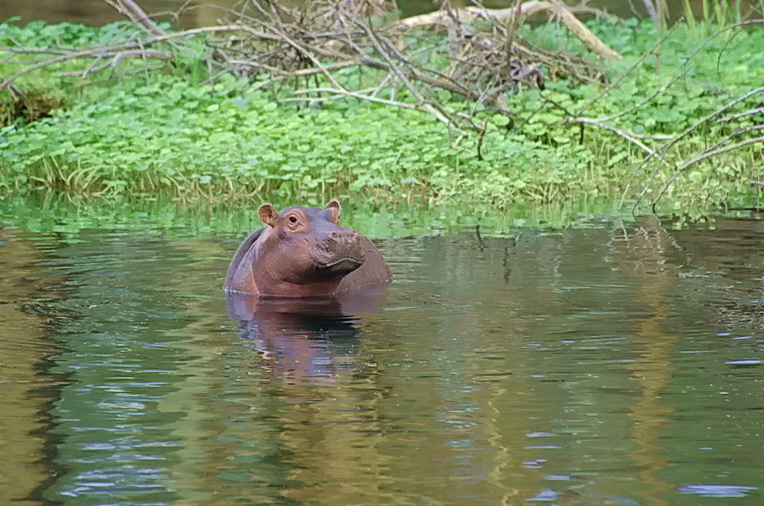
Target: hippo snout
x: 343, y: 238
x: 340, y: 251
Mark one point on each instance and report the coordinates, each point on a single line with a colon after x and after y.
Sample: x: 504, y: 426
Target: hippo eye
x: 293, y: 219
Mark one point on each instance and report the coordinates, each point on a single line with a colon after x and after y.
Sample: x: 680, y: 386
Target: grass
x: 177, y: 134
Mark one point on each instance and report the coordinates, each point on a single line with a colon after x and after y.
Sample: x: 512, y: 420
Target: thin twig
x: 757, y: 110
x: 626, y: 135
x: 703, y: 156
x: 666, y: 146
x: 134, y: 13
x: 628, y: 72
x: 111, y: 51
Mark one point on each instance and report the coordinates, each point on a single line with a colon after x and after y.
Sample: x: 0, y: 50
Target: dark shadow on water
x: 303, y: 340
x: 243, y: 306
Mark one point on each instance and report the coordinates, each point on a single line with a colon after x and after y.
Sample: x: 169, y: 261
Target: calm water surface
x: 595, y: 365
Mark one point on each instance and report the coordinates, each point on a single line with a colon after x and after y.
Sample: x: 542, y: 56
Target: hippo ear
x: 334, y: 209
x: 268, y: 214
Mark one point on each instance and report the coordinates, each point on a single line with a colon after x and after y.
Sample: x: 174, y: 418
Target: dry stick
x: 126, y: 73
x: 686, y: 132
x: 441, y: 80
x: 71, y: 56
x: 100, y: 52
x: 591, y: 41
x: 338, y: 89
x: 649, y: 98
x: 27, y: 50
x: 386, y: 48
x: 277, y: 26
x: 629, y: 137
x: 509, y: 49
x: 337, y: 94
x: 384, y: 83
x: 729, y: 41
x: 623, y: 76
x: 268, y: 14
x: 372, y: 35
x: 667, y: 146
x: 693, y: 127
x: 680, y: 75
x: 445, y: 82
x: 292, y: 73
x: 471, y: 14
x: 736, y: 133
x: 433, y: 109
x: 115, y: 60
x: 510, y: 33
x: 650, y: 8
x: 455, y: 31
x: 749, y: 112
x: 494, y: 96
x: 701, y: 157
x: 559, y: 10
x: 308, y: 54
x: 134, y: 13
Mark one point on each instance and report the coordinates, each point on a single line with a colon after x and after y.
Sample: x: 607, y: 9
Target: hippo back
x: 240, y: 254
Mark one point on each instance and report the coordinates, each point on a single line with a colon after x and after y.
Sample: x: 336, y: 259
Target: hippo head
x: 305, y: 251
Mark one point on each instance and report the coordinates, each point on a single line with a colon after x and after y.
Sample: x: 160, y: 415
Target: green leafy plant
x: 180, y: 132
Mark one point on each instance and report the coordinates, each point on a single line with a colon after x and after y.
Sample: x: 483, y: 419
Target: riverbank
x: 182, y: 133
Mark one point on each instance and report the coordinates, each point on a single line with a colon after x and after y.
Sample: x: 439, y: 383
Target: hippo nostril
x: 341, y: 238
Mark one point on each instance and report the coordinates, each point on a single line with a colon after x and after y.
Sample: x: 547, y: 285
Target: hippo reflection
x: 304, y: 339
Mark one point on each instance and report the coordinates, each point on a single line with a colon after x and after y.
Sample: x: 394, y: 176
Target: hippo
x: 304, y: 252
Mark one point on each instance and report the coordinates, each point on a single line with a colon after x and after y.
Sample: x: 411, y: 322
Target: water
x: 591, y: 365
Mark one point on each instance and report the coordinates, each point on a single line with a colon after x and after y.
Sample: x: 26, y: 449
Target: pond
x: 605, y: 363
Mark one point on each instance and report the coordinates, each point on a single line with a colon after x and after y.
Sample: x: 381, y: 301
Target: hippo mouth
x: 345, y: 264
x: 336, y: 258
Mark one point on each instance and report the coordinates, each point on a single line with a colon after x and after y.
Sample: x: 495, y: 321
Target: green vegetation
x: 49, y: 213
x: 182, y: 131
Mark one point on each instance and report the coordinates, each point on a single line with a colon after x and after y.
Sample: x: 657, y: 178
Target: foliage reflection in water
x: 575, y: 366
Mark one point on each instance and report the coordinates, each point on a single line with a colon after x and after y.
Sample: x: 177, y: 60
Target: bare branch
x: 555, y: 7
x: 134, y: 13
x: 699, y: 158
x: 632, y: 138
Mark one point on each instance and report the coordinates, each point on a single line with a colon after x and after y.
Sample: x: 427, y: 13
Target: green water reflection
x: 584, y: 365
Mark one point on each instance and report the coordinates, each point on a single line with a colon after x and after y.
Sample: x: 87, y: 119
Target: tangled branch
x: 658, y: 147
x: 319, y: 46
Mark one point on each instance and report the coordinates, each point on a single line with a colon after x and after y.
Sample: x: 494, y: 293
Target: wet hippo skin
x: 304, y: 252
